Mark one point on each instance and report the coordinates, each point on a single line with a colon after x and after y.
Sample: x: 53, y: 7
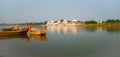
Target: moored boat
x: 34, y: 31
x: 5, y: 29
x: 4, y: 37
x: 38, y: 32
x: 14, y: 32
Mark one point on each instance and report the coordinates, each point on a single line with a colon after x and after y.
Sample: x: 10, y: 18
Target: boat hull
x: 5, y: 29
x: 4, y: 37
x: 38, y: 32
x: 24, y: 31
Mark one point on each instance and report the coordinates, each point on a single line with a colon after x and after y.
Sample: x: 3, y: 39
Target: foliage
x: 45, y: 22
x: 34, y: 23
x: 113, y: 21
x: 90, y: 22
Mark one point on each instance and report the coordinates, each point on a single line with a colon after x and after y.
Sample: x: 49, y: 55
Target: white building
x: 74, y: 20
x: 63, y: 22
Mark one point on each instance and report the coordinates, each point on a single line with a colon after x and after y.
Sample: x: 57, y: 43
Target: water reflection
x: 95, y: 28
x: 64, y: 29
x: 91, y: 29
x: 26, y: 37
x: 113, y: 29
x: 38, y: 37
x: 82, y: 44
x: 76, y: 29
x: 100, y: 29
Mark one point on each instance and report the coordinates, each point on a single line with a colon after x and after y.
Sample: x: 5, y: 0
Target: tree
x: 90, y: 22
x: 113, y: 21
x: 45, y: 22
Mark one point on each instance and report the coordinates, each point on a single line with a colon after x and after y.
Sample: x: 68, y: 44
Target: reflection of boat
x: 19, y: 32
x: 43, y: 38
x: 12, y: 36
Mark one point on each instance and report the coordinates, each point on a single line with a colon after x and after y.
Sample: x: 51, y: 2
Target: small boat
x: 14, y: 32
x: 5, y: 29
x: 4, y: 37
x: 38, y: 32
x: 34, y: 31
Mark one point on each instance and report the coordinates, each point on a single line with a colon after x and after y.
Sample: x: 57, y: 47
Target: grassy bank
x: 104, y: 24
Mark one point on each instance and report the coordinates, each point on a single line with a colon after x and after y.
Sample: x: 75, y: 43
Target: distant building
x: 74, y: 20
x: 64, y: 22
x: 50, y: 23
x: 100, y: 22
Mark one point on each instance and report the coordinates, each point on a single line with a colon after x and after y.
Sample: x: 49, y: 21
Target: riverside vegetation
x: 109, y: 23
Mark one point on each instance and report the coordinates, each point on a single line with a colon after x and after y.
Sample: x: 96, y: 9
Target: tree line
x: 34, y: 23
x: 86, y: 22
x: 107, y: 21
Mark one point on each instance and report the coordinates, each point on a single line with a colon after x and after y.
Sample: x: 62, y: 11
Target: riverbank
x: 83, y: 24
x: 104, y: 24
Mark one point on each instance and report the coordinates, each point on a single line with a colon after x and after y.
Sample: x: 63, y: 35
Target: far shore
x: 84, y: 25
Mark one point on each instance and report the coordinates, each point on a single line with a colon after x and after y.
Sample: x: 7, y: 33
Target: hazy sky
x: 18, y: 11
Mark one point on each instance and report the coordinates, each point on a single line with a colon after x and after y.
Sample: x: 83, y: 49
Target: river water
x: 67, y: 41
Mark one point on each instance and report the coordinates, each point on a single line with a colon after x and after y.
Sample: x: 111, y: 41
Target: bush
x: 113, y: 21
x: 90, y: 22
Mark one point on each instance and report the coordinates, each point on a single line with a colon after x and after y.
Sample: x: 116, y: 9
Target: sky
x: 20, y: 11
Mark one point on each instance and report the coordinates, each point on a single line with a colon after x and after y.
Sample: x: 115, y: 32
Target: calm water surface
x: 70, y: 41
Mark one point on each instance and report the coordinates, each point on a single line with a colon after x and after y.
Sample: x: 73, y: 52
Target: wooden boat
x: 38, y: 32
x: 4, y: 37
x: 34, y: 31
x: 5, y: 29
x: 14, y: 32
